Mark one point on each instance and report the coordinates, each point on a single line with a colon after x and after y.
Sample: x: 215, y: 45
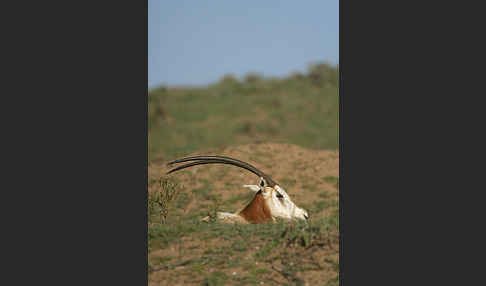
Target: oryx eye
x: 279, y: 195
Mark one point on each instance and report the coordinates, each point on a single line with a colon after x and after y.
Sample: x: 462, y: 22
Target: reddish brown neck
x: 257, y: 210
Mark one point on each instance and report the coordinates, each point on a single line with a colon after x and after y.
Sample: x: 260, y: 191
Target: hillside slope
x: 299, y: 109
x: 185, y: 251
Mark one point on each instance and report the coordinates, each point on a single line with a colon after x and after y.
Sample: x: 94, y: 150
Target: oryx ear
x: 262, y: 182
x: 254, y: 188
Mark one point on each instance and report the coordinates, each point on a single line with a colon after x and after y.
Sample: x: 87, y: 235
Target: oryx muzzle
x: 270, y: 201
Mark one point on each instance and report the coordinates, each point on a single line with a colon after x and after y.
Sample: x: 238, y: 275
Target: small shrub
x: 159, y: 200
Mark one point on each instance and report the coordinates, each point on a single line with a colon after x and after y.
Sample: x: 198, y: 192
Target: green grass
x: 215, y: 279
x: 323, y: 205
x: 282, y: 243
x: 330, y: 179
x: 297, y: 110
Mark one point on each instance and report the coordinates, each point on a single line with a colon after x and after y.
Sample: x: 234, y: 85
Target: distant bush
x: 228, y: 80
x: 156, y: 110
x: 253, y: 78
x: 297, y: 76
x: 323, y: 74
x: 161, y: 89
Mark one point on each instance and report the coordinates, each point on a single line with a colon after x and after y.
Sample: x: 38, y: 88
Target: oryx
x: 270, y: 201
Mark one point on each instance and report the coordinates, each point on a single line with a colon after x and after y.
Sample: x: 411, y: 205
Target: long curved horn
x: 201, y: 160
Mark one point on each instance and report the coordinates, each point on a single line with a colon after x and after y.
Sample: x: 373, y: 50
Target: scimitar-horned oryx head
x: 269, y: 203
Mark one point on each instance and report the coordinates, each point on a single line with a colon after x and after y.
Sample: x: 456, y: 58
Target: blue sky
x: 197, y: 42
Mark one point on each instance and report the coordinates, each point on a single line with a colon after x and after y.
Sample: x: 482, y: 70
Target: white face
x: 281, y: 205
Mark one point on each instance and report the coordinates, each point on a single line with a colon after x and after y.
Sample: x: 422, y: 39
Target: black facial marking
x: 262, y: 183
x: 279, y: 195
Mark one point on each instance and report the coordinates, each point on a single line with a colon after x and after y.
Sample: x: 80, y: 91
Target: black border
x: 341, y: 167
x: 77, y: 158
x: 77, y: 80
x: 401, y: 77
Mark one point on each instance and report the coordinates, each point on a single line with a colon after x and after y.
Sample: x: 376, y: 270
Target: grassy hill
x: 301, y: 109
x: 287, y: 127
